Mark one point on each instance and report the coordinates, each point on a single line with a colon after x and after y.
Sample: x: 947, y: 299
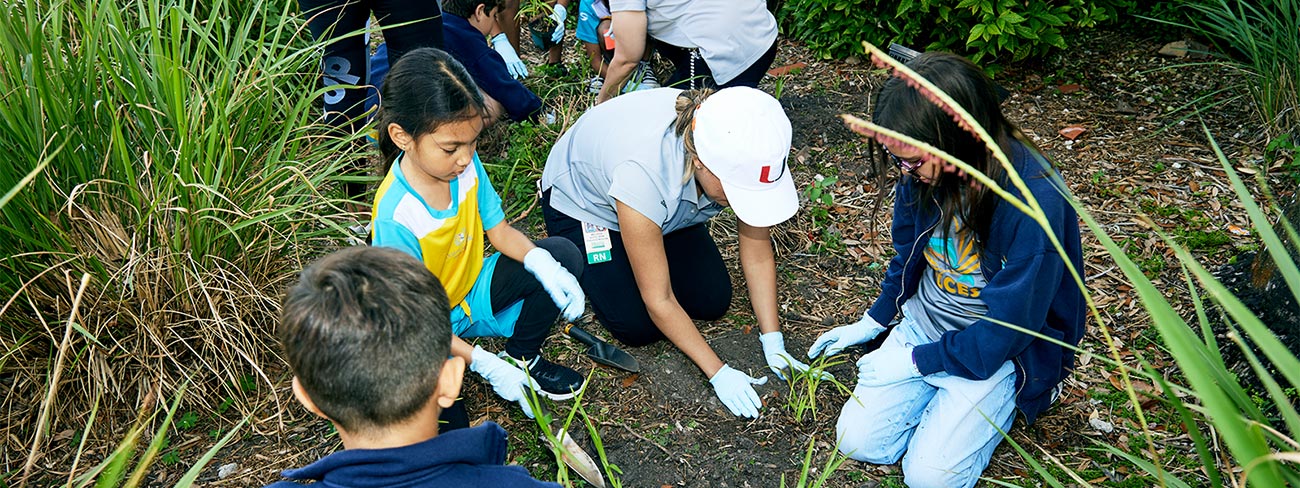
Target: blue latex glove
x: 558, y: 14
x: 558, y: 282
x: 887, y: 365
x: 778, y: 360
x: 835, y: 340
x: 507, y: 381
x: 736, y: 390
x: 514, y: 65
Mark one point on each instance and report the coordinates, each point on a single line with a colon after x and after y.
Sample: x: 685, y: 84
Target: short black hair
x: 466, y: 8
x: 366, y: 331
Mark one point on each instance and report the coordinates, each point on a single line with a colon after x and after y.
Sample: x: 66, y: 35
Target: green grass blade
x: 1154, y: 470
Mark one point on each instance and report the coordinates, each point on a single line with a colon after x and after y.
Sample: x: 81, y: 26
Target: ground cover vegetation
x: 170, y: 182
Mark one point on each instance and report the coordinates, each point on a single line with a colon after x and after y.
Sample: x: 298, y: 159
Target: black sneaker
x: 553, y: 381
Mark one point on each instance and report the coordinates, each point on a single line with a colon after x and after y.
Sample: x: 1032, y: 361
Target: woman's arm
x: 759, y: 266
x: 645, y: 251
x: 512, y: 243
x: 629, y: 46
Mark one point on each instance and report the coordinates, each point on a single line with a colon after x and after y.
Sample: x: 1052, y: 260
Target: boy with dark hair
x: 367, y: 335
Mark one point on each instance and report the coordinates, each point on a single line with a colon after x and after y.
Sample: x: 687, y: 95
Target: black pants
x: 346, y: 57
x: 699, y: 279
x: 682, y: 61
x: 511, y: 282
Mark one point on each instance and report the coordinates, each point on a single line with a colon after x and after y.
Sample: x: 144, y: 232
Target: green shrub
x: 988, y: 31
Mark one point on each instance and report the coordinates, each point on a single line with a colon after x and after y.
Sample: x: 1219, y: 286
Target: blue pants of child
x: 944, y: 427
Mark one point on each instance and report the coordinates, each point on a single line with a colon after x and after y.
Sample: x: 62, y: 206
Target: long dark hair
x: 902, y: 108
x: 425, y: 89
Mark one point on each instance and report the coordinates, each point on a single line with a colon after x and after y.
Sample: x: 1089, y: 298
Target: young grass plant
x: 802, y: 397
x: 833, y: 463
x: 169, y: 151
x: 563, y: 447
x: 1261, y: 451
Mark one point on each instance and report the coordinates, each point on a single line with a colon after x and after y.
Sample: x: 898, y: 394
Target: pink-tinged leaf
x: 1072, y: 132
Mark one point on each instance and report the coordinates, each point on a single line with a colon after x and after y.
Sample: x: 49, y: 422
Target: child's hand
x: 558, y: 282
x: 507, y: 381
x: 835, y: 340
x: 887, y: 365
x: 515, y: 65
x: 558, y: 14
x: 780, y: 361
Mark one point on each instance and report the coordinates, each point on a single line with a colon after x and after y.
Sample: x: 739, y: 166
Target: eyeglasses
x: 904, y: 165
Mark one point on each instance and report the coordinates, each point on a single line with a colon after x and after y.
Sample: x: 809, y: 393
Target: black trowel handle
x: 581, y: 335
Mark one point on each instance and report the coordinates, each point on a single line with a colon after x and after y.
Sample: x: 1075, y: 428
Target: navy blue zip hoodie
x: 470, y: 457
x: 484, y: 64
x: 1028, y: 285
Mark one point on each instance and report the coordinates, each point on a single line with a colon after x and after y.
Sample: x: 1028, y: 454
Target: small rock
x: 227, y: 470
x: 1185, y: 49
x: 1101, y: 425
x: 853, y: 60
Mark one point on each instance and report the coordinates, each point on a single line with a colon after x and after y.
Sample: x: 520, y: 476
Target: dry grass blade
x: 44, y: 414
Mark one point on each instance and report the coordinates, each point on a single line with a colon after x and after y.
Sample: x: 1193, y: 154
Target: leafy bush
x: 167, y: 153
x: 985, y: 30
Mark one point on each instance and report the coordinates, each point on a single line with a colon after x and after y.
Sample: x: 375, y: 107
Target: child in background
x: 465, y: 24
x: 366, y: 333
x: 436, y: 204
x: 598, y: 40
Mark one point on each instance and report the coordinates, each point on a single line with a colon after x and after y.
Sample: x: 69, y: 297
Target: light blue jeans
x: 947, y: 425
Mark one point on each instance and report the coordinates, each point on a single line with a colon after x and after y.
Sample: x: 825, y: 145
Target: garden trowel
x: 575, y: 457
x: 603, y: 352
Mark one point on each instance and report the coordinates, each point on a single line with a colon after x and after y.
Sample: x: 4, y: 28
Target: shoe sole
x: 562, y: 396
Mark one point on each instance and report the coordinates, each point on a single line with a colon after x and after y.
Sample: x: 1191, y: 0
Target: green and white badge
x: 596, y: 239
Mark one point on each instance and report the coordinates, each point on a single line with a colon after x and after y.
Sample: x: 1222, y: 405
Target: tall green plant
x: 167, y: 148
x: 1261, y: 39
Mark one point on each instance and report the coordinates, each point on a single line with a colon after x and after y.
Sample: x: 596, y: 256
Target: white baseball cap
x: 743, y: 136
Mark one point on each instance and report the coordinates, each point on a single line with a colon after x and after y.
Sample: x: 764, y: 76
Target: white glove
x: 558, y: 14
x: 507, y: 381
x: 558, y: 282
x: 736, y: 390
x: 835, y: 340
x: 514, y: 65
x: 887, y: 365
x: 778, y: 360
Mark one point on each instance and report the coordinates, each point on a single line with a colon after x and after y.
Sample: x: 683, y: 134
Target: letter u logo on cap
x: 765, y: 176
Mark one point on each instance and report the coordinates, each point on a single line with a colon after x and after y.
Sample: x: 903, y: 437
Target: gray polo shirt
x: 730, y: 34
x: 624, y: 150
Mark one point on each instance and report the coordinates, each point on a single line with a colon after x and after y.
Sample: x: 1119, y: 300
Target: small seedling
x: 802, y: 400
x: 187, y: 421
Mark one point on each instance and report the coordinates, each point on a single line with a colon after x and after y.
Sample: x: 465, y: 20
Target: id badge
x: 597, y: 243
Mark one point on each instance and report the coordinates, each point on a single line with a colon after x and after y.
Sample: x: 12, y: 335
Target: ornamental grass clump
x: 168, y: 152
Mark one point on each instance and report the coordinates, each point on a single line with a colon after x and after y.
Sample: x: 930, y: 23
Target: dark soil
x: 664, y: 427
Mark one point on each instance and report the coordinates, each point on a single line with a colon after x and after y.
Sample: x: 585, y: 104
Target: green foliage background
x: 987, y: 31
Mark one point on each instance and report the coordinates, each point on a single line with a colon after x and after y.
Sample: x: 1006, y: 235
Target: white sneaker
x: 595, y: 84
x: 643, y: 78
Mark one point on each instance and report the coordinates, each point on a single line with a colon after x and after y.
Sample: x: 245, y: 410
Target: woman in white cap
x: 634, y: 182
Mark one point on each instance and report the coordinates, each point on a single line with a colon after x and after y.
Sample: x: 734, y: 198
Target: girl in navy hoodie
x: 950, y: 374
